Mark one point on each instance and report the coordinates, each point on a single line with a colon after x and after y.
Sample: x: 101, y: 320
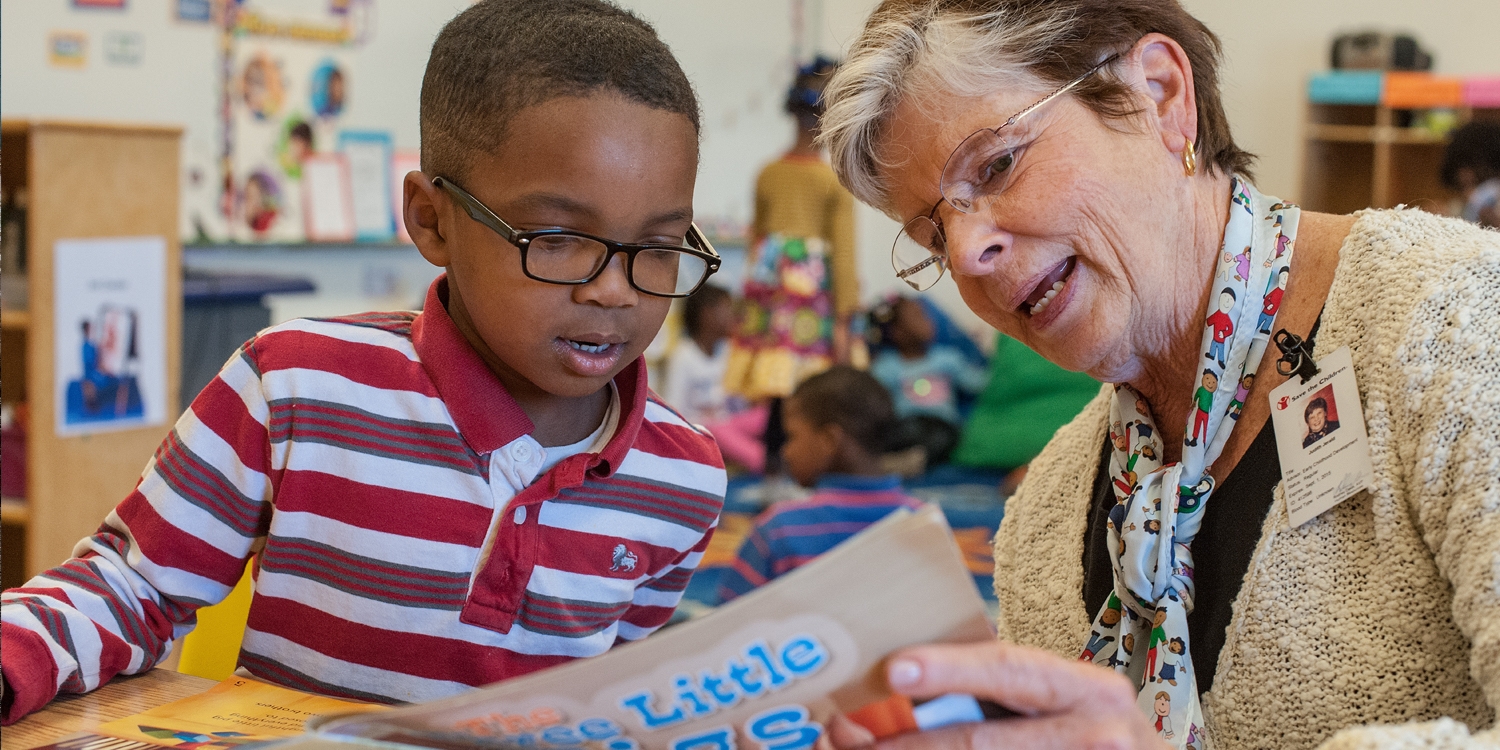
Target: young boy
x: 836, y: 423
x: 695, y: 369
x: 446, y: 499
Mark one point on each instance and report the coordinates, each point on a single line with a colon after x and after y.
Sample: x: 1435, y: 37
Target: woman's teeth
x: 1046, y: 299
x: 590, y: 348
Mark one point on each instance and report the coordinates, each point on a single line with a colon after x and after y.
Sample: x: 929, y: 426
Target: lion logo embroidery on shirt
x: 624, y: 560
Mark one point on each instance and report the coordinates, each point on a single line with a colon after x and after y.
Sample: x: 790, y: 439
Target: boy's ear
x: 421, y: 204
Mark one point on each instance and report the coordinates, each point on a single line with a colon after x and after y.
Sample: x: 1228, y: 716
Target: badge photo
x: 1321, y: 438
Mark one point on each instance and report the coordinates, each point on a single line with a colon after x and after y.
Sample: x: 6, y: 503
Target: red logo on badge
x: 1281, y: 405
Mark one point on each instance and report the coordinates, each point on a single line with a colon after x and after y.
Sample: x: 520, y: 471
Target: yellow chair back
x: 212, y: 650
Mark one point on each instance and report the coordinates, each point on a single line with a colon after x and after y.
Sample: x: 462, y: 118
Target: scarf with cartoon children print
x: 1142, y: 630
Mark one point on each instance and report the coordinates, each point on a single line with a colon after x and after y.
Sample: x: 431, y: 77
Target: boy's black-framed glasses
x: 562, y: 256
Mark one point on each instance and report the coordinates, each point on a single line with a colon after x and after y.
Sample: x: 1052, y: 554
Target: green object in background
x: 1026, y: 400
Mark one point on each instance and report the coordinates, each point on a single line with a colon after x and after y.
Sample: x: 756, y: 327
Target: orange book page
x: 237, y: 711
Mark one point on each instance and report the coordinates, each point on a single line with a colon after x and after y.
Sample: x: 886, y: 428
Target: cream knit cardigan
x: 1381, y: 617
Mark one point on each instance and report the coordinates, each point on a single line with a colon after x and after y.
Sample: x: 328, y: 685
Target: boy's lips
x: 590, y: 355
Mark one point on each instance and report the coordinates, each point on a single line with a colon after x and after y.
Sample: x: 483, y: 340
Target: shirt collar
x: 887, y: 483
x: 485, y: 413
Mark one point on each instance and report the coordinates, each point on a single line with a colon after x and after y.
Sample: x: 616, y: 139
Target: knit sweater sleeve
x: 1448, y: 407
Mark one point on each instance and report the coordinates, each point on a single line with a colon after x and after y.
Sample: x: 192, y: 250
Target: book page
x: 762, y: 671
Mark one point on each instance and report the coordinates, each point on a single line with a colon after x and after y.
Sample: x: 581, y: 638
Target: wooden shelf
x: 1371, y: 134
x: 14, y: 511
x: 15, y: 320
x: 86, y: 180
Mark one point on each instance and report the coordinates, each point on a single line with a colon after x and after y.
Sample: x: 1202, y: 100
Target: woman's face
x: 1100, y: 208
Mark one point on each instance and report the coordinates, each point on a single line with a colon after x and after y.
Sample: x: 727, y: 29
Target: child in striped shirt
x: 440, y: 500
x: 836, y: 424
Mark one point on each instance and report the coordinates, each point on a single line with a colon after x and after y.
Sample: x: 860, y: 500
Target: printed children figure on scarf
x: 1283, y: 242
x: 1241, y: 264
x: 1158, y: 637
x: 1205, y: 400
x: 1272, y: 302
x: 1171, y: 657
x: 1164, y: 715
x: 1237, y: 404
x: 1222, y: 324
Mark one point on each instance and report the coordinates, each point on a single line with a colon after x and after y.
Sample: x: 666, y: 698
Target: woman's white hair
x: 923, y: 46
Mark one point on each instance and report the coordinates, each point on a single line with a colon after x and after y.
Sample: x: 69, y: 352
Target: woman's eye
x: 998, y: 166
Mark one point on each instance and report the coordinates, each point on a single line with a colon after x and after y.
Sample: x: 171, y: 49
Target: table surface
x: 119, y: 698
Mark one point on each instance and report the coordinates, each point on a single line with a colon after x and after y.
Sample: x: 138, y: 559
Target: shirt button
x: 520, y: 452
x: 520, y: 516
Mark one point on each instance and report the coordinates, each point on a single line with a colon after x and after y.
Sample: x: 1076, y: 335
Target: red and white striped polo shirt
x: 371, y: 464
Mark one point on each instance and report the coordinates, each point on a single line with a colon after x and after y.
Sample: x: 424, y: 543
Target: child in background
x: 802, y: 287
x: 1471, y: 166
x: 452, y: 498
x: 924, y: 380
x: 695, y: 368
x: 836, y: 424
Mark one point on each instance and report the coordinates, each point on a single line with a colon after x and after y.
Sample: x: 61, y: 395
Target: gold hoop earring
x: 1190, y: 160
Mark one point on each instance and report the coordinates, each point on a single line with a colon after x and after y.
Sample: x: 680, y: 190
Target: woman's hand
x: 1064, y: 703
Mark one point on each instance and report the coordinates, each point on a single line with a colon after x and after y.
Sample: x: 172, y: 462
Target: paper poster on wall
x: 196, y: 11
x: 326, y: 200
x: 327, y: 88
x: 403, y: 161
x: 67, y: 49
x: 111, y: 327
x: 125, y: 48
x: 369, y: 155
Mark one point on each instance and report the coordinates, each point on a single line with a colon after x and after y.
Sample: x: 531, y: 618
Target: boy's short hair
x: 501, y: 56
x: 698, y: 305
x: 1475, y: 146
x: 851, y: 399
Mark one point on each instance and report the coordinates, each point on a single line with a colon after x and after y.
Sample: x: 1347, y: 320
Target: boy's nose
x: 611, y: 288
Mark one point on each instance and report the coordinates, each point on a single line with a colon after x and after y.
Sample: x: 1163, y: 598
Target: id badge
x: 1320, y: 434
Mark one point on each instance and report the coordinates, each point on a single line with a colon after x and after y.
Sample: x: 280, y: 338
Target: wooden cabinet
x: 1362, y: 156
x: 84, y: 180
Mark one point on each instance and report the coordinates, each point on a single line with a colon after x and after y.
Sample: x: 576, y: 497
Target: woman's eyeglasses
x: 561, y: 256
x: 980, y: 167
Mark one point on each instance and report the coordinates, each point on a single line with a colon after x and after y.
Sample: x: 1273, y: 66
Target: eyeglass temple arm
x: 1063, y: 89
x: 476, y: 210
x: 695, y: 235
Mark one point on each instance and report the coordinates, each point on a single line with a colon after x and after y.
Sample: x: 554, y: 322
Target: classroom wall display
x: 369, y: 155
x: 327, y: 197
x: 111, y: 329
x: 125, y: 48
x: 327, y: 88
x: 194, y: 11
x: 278, y: 117
x: 67, y: 49
x: 402, y: 162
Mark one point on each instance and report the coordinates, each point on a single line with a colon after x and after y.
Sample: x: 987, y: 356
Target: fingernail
x: 903, y: 673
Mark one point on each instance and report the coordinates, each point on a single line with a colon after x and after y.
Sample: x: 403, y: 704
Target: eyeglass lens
x: 981, y: 166
x: 656, y: 270
x: 920, y: 254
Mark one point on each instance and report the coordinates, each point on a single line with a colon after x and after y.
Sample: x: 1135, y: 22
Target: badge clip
x: 1296, y: 356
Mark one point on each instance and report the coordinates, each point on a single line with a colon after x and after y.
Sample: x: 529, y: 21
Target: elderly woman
x: 1069, y: 164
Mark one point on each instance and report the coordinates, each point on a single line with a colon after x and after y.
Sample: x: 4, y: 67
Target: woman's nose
x: 974, y: 242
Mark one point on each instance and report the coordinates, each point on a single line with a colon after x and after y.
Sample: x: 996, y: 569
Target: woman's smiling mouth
x: 1049, y: 287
